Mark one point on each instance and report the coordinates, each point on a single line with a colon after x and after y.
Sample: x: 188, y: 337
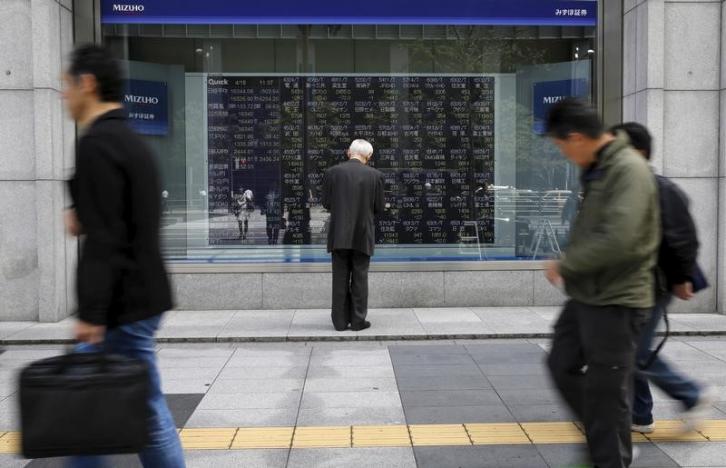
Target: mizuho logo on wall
x: 128, y: 8
x: 130, y: 98
x: 552, y: 99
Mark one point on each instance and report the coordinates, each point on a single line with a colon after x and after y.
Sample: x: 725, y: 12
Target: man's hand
x: 73, y: 226
x: 552, y: 273
x: 683, y: 291
x: 89, y: 333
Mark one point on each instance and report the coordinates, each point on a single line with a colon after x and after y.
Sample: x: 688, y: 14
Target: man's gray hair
x: 361, y: 148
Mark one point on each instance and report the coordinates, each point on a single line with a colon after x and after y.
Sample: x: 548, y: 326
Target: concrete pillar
x: 36, y: 143
x: 672, y: 83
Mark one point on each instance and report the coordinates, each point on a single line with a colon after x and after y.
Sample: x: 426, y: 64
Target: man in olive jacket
x: 607, y: 271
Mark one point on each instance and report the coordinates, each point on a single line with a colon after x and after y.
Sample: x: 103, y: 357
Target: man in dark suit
x: 123, y: 289
x: 353, y: 192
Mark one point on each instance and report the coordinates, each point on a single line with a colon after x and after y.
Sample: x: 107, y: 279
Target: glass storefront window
x: 246, y: 118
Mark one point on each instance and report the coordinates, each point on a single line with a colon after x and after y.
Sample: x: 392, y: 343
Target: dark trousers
x: 592, y: 362
x: 673, y: 383
x: 350, y: 288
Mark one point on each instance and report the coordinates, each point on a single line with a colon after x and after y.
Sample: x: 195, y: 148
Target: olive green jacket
x: 614, y: 241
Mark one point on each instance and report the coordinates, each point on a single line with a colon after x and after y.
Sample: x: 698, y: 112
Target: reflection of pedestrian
x: 677, y: 266
x: 353, y: 192
x: 122, y: 284
x: 243, y: 207
x: 273, y: 216
x: 607, y: 271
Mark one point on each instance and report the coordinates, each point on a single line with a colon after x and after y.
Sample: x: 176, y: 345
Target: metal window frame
x: 608, y: 99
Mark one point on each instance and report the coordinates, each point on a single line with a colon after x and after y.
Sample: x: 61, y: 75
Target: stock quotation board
x: 270, y: 140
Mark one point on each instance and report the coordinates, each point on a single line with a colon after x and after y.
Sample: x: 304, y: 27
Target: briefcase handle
x: 100, y: 358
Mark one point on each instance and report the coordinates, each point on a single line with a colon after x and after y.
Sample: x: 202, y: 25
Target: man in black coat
x: 675, y: 276
x: 122, y: 284
x: 353, y: 193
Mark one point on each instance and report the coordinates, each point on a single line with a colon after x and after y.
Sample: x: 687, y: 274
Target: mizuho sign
x: 128, y: 8
x: 130, y: 98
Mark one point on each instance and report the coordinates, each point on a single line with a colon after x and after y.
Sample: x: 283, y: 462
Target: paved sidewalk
x: 445, y: 404
x: 315, y: 325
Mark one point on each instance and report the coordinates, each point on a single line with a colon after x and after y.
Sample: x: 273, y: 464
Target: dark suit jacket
x: 117, y: 197
x: 353, y: 192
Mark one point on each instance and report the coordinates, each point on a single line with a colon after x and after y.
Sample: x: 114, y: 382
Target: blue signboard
x: 147, y: 105
x: 454, y: 12
x: 546, y: 93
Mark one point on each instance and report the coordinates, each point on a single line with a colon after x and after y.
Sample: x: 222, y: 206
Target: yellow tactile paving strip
x: 241, y: 438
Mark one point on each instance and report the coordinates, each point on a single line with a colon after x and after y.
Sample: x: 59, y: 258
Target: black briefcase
x: 84, y: 404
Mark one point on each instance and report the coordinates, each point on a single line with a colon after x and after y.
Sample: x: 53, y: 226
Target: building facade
x: 246, y: 108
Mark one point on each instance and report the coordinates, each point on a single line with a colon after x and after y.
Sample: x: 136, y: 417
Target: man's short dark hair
x: 99, y: 62
x: 639, y: 136
x: 572, y: 115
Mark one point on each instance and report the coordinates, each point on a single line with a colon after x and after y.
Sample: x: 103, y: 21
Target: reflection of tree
x: 477, y: 50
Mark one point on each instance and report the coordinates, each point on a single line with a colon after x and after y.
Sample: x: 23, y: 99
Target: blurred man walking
x: 122, y: 286
x: 607, y: 271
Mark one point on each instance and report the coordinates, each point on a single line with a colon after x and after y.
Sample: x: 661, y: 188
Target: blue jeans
x: 136, y: 340
x: 659, y: 372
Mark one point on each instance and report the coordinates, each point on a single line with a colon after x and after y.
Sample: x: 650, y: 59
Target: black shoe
x: 362, y: 326
x: 347, y: 327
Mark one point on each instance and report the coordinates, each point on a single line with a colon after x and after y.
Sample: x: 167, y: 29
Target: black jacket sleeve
x: 380, y: 202
x: 98, y: 188
x: 326, y: 195
x: 679, y: 247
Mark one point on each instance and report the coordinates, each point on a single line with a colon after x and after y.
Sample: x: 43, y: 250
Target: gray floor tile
x: 364, y: 372
x: 239, y: 401
x: 499, y: 349
x: 198, y: 374
x: 271, y: 372
x: 509, y: 369
x: 197, y: 350
x: 562, y: 455
x: 375, y: 399
x: 228, y: 386
x: 533, y: 357
x: 185, y: 386
x: 469, y: 370
x: 682, y: 352
x: 541, y: 396
x: 351, y: 416
x: 701, y: 454
x: 674, y: 410
x: 10, y: 328
x: 348, y: 384
x: 444, y: 383
x: 182, y: 406
x: 243, y: 418
x: 492, y: 456
x: 457, y: 414
x: 236, y: 458
x: 502, y: 382
x: 540, y: 413
x: 356, y: 457
x: 443, y: 315
x: 289, y: 360
x: 191, y: 361
x: 558, y: 455
x: 378, y: 357
x: 403, y: 349
x: 457, y: 329
x: 432, y: 359
x: 190, y: 331
x: 449, y: 398
x: 258, y: 323
x: 45, y: 331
